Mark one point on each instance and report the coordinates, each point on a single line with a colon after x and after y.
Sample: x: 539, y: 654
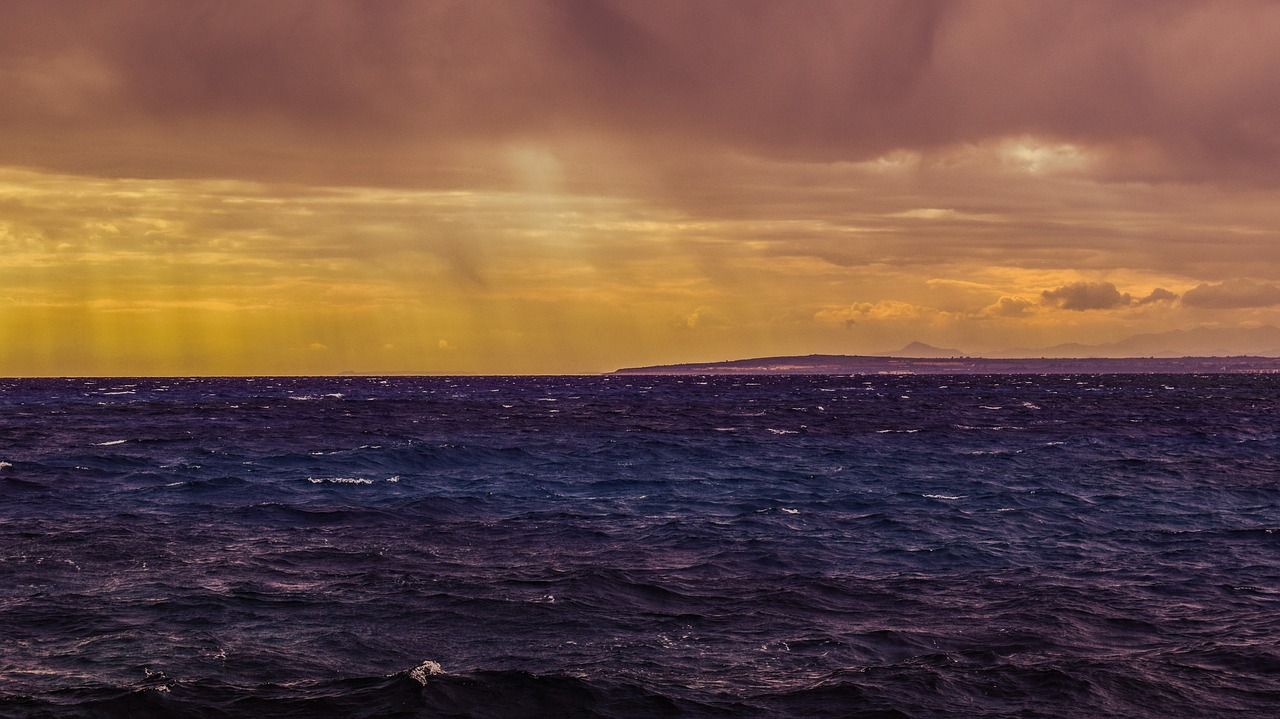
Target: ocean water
x: 628, y: 546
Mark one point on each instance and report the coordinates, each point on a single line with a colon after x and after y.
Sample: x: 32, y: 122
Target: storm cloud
x: 343, y: 89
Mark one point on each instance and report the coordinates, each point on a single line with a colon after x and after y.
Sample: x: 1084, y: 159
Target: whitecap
x: 339, y: 480
x: 108, y: 444
x: 426, y: 669
x: 5, y: 464
x: 782, y: 431
x: 943, y: 496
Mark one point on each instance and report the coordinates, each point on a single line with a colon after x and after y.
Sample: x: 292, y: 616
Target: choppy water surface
x: 887, y: 546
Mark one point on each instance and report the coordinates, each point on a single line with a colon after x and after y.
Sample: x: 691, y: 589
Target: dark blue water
x: 887, y: 546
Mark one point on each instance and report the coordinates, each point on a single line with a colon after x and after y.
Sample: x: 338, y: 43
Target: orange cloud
x: 1086, y: 296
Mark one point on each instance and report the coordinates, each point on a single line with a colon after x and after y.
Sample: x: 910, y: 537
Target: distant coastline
x: 868, y: 364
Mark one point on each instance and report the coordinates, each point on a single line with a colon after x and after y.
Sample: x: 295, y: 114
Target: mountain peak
x: 922, y: 350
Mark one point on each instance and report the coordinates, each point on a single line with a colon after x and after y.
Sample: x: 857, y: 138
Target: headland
x: 867, y: 364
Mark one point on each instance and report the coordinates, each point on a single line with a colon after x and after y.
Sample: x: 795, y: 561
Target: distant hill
x: 1201, y: 342
x: 1203, y: 349
x: 859, y: 364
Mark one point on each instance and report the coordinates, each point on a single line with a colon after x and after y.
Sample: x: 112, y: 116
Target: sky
x: 569, y: 186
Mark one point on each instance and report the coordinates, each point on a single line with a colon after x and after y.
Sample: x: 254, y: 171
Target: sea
x: 616, y: 546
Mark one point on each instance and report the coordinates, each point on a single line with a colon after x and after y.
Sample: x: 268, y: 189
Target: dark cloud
x: 1086, y: 296
x: 402, y: 92
x: 1232, y: 294
x: 1158, y: 295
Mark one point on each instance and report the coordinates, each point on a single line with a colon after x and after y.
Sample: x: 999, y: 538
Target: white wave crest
x: 426, y: 669
x: 340, y: 480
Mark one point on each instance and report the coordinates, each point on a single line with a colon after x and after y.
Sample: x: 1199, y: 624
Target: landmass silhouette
x: 878, y: 364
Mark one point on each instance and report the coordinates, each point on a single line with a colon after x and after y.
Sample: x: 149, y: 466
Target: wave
x: 929, y: 685
x: 422, y: 691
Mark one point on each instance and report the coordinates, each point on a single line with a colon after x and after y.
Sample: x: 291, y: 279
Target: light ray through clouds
x: 318, y: 187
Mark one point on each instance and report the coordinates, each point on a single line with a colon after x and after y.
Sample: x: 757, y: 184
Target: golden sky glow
x: 497, y: 187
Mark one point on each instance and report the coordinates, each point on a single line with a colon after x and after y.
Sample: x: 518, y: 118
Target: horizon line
x: 639, y: 368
